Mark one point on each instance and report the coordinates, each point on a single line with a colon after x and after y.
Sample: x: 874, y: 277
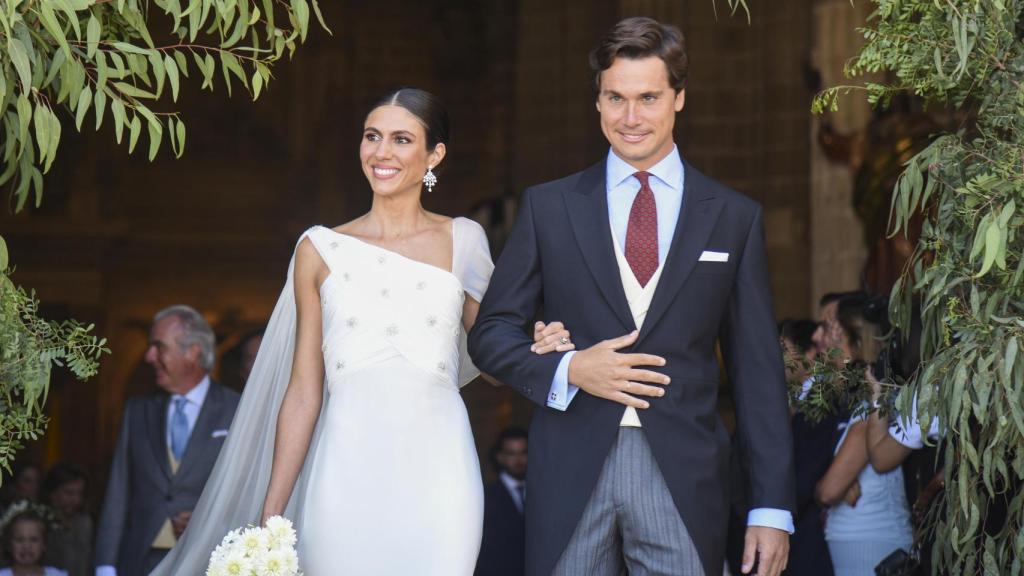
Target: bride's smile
x: 396, y: 152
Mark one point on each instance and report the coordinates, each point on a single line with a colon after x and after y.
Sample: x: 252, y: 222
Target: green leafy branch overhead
x: 91, y: 60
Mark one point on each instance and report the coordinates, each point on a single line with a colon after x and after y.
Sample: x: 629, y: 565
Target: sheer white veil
x: 233, y: 496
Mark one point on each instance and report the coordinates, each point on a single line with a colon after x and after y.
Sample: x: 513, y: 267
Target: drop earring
x: 430, y: 179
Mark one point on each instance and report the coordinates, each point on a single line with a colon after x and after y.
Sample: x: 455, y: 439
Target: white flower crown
x: 20, y: 507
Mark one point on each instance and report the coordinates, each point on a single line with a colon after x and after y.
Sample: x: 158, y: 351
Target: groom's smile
x: 638, y: 110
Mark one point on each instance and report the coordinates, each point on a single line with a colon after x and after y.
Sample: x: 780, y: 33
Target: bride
x: 360, y: 367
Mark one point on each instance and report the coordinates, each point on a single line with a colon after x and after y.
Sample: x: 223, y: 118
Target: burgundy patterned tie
x: 642, y: 232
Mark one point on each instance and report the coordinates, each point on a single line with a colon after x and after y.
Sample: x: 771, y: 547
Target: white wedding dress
x: 391, y: 484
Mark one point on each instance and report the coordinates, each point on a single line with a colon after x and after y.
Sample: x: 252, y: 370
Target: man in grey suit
x: 167, y: 447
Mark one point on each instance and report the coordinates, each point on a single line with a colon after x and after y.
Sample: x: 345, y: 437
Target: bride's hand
x: 551, y: 338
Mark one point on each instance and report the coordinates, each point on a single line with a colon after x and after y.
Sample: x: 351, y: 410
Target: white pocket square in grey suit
x: 219, y: 434
x: 709, y: 256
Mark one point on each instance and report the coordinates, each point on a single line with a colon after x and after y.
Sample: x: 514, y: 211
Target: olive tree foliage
x: 967, y: 273
x: 85, y: 62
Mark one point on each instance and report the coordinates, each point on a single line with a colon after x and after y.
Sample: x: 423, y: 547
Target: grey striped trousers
x: 630, y: 525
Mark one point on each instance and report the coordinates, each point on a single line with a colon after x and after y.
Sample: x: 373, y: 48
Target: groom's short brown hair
x: 641, y: 37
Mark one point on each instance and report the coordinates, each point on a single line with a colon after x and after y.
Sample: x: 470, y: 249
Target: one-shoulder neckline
x: 450, y: 273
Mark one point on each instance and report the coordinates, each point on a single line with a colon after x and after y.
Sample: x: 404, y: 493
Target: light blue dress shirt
x: 194, y: 400
x: 668, y: 177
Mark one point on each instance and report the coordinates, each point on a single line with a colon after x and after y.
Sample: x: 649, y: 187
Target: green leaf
x: 92, y: 36
x: 84, y: 101
x: 1008, y: 359
x: 980, y: 236
x: 41, y: 121
x: 301, y: 10
x: 320, y: 17
x: 117, y: 110
x: 134, y: 129
x: 182, y: 61
x: 156, y: 62
x: 171, y: 135
x: 3, y: 254
x: 24, y: 108
x: 20, y: 60
x: 237, y: 34
x: 230, y: 62
x: 54, y: 135
x: 49, y: 20
x: 257, y: 84
x: 72, y: 14
x: 209, y: 66
x: 99, y: 104
x: 102, y: 72
x: 156, y: 131
x: 180, y: 129
x: 134, y: 92
x: 172, y: 76
x: 130, y: 48
x: 993, y: 239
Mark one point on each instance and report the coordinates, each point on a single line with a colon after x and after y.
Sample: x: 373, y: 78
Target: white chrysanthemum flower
x: 217, y: 567
x: 253, y: 541
x: 237, y: 565
x: 273, y: 563
x: 280, y: 534
x: 291, y: 561
x: 276, y: 523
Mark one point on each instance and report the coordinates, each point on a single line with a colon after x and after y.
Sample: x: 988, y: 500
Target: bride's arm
x: 547, y: 337
x: 302, y: 401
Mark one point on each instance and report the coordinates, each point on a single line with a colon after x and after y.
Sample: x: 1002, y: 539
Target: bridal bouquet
x: 255, y: 551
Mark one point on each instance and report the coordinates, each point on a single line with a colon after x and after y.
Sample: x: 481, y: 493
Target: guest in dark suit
x: 813, y: 446
x: 166, y: 449
x: 649, y: 264
x: 503, y: 549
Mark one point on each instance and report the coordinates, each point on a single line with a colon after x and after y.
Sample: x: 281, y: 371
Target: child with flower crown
x: 24, y: 536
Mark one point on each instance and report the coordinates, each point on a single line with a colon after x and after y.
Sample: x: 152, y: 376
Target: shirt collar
x: 511, y: 483
x: 669, y: 170
x: 196, y: 395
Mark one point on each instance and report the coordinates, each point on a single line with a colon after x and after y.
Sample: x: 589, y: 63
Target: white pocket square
x: 219, y: 434
x: 709, y: 256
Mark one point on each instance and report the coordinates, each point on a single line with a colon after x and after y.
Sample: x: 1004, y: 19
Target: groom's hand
x: 770, y: 547
x: 604, y: 372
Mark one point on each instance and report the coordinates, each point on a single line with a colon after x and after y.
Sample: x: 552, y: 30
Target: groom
x: 641, y: 244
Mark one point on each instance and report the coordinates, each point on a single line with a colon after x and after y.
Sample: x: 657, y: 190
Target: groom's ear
x: 680, y: 100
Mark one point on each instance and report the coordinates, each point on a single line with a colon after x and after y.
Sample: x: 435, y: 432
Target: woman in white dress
x: 373, y: 456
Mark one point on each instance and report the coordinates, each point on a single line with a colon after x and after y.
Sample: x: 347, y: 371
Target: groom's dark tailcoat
x: 560, y: 258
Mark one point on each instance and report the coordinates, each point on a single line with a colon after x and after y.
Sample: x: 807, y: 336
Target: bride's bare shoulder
x: 440, y: 222
x: 352, y: 227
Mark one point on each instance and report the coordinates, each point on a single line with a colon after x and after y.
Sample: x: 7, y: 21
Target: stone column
x: 839, y: 252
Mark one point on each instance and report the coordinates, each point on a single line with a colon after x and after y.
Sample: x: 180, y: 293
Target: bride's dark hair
x: 424, y: 106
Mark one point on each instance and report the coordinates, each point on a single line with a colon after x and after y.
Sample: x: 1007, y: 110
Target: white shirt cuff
x: 771, y: 518
x: 562, y: 392
x: 106, y: 571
